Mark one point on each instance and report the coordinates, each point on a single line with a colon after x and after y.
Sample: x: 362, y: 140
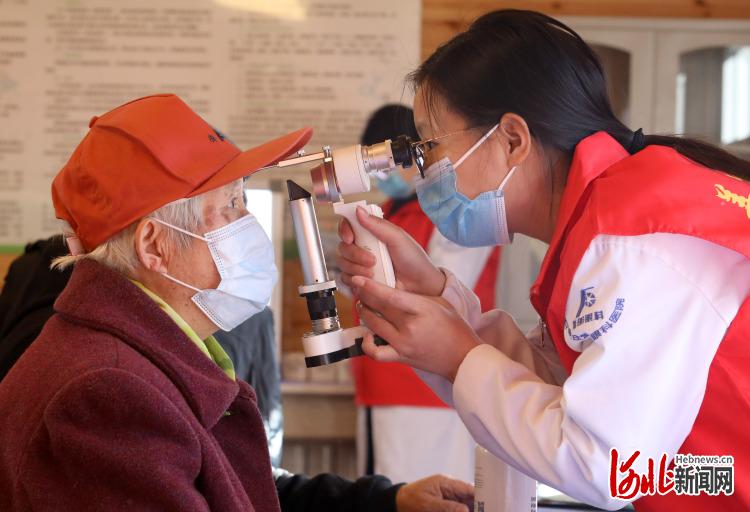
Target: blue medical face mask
x: 477, y: 222
x: 395, y: 186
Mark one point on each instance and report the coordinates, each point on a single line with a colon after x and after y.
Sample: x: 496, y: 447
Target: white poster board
x: 254, y: 68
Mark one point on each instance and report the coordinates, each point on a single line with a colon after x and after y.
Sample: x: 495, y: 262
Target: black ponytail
x: 705, y: 154
x: 539, y: 68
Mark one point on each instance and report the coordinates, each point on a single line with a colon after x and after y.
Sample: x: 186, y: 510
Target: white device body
x: 351, y: 175
x: 365, y: 239
x: 333, y: 341
x: 499, y: 487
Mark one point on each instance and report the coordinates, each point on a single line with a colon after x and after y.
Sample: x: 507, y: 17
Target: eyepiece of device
x: 348, y: 170
x: 403, y: 153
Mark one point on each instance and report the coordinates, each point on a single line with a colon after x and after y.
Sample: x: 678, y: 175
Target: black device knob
x: 402, y: 153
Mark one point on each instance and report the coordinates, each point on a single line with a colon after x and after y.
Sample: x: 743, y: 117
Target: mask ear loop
x: 74, y: 245
x: 507, y: 177
x: 475, y: 146
x: 198, y: 290
x: 180, y: 229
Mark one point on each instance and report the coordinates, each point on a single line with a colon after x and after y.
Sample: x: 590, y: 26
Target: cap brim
x: 247, y: 162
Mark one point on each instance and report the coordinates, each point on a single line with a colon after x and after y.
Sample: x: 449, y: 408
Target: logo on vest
x: 691, y: 475
x: 585, y: 315
x: 588, y: 299
x: 730, y: 197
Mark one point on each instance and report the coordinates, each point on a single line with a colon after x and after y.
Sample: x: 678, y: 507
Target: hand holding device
x: 343, y: 171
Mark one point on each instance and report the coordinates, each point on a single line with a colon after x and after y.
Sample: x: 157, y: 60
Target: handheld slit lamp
x: 342, y: 171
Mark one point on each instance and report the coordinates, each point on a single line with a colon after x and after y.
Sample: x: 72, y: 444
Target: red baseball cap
x: 145, y: 154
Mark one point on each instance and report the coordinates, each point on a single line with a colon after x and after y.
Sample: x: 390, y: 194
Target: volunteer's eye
x: 430, y: 145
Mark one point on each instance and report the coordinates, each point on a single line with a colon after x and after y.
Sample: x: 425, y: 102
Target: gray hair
x: 118, y: 253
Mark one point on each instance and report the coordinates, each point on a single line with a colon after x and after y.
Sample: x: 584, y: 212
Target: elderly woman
x: 125, y: 401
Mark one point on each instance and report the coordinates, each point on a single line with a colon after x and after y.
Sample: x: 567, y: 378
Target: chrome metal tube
x: 307, y: 235
x: 378, y: 157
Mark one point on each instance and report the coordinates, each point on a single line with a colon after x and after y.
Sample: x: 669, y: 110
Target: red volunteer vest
x: 659, y: 190
x: 379, y: 383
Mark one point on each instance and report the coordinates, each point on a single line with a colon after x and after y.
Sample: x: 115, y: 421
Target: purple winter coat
x: 114, y: 408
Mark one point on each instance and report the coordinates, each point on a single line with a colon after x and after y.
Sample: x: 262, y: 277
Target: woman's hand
x: 423, y: 332
x: 413, y: 268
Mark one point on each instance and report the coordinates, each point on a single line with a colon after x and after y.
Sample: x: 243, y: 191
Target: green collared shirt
x: 209, y: 346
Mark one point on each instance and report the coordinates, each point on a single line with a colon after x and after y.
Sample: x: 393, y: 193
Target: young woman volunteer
x: 644, y: 339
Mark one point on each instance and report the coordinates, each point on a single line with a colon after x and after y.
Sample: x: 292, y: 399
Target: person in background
x: 406, y: 432
x: 126, y: 401
x: 28, y: 293
x: 26, y: 303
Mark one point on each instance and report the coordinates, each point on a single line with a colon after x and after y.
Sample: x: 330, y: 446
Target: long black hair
x: 539, y: 68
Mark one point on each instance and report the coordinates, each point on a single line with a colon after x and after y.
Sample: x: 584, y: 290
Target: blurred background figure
x: 405, y: 431
x: 31, y: 289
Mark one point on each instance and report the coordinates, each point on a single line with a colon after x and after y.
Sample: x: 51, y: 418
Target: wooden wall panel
x: 5, y: 261
x: 441, y: 19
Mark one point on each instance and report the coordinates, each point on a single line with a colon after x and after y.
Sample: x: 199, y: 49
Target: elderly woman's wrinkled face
x: 220, y: 207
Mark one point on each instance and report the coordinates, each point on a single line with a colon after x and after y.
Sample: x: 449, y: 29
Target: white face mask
x: 244, y: 257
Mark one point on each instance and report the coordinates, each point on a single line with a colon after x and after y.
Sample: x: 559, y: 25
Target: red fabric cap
x: 145, y: 154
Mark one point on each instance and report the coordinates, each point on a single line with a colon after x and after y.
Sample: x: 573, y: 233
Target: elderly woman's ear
x: 151, y: 245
